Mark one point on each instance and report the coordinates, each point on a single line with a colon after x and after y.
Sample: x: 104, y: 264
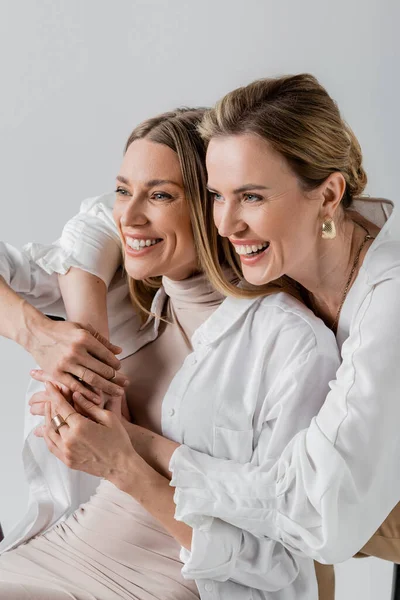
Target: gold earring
x: 328, y: 229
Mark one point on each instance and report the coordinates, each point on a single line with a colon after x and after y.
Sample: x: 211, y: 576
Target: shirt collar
x: 225, y: 317
x: 155, y: 310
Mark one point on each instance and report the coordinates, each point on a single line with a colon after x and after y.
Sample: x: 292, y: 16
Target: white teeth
x: 137, y: 244
x: 250, y: 249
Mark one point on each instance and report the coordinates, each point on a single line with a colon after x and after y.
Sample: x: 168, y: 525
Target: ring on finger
x: 81, y: 379
x: 68, y: 416
x: 58, y: 422
x: 114, y: 376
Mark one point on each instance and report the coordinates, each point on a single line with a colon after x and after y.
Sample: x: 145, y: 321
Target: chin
x: 257, y: 278
x: 140, y: 274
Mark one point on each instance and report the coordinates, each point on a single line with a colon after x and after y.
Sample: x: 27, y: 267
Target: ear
x: 332, y: 191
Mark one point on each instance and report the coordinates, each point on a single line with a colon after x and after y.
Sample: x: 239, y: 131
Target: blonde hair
x: 299, y: 119
x: 179, y: 130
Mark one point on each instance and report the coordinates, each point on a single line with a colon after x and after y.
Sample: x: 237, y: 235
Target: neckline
x: 195, y: 292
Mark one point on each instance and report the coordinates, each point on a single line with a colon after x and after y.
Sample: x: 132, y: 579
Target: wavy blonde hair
x: 299, y: 119
x: 179, y: 130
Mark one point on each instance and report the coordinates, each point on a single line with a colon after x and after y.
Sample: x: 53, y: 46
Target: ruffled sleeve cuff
x: 89, y: 241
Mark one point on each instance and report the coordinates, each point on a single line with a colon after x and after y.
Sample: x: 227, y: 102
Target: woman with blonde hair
x: 285, y: 173
x: 232, y: 380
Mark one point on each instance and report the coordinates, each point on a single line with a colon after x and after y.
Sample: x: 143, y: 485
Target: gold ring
x: 58, y: 422
x: 83, y: 375
x: 68, y: 416
x: 114, y: 376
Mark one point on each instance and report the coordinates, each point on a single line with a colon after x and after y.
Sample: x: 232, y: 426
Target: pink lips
x: 251, y: 260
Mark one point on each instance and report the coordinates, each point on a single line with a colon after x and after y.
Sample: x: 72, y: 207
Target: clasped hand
x: 98, y: 445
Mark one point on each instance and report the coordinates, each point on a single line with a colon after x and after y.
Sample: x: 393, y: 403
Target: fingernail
x: 126, y: 383
x: 33, y: 372
x: 120, y: 392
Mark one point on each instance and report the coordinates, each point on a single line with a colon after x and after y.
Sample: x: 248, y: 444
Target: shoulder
x: 382, y: 261
x: 289, y: 318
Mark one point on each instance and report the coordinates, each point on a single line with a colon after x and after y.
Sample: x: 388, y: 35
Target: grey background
x: 77, y: 75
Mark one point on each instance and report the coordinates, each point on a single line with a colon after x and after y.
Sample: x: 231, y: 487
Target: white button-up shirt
x: 328, y: 490
x: 258, y: 373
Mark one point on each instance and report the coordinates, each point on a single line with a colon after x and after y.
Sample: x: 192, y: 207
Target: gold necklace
x: 346, y: 289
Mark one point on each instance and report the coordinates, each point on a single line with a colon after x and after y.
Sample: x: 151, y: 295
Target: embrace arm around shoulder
x: 334, y: 483
x: 89, y: 241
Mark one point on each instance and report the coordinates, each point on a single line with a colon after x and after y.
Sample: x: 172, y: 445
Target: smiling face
x: 259, y: 205
x: 152, y: 213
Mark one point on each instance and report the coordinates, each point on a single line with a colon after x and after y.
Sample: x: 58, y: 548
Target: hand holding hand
x: 75, y: 355
x: 99, y: 447
x: 115, y: 404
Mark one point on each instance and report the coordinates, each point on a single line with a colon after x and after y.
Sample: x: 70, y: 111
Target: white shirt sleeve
x: 225, y: 552
x: 89, y: 241
x: 224, y: 501
x: 334, y: 483
x: 26, y: 278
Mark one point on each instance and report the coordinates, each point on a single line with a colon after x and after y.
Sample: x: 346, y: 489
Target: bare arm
x: 22, y: 318
x: 154, y: 493
x: 40, y: 336
x: 155, y: 449
x: 85, y: 299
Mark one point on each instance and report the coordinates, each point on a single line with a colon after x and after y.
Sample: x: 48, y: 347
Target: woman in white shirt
x: 228, y: 378
x: 283, y: 169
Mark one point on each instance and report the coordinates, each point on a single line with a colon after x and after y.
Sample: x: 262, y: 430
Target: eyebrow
x: 151, y: 183
x: 244, y: 188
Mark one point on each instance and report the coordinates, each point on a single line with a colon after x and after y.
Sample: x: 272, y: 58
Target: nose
x: 228, y: 219
x: 134, y: 213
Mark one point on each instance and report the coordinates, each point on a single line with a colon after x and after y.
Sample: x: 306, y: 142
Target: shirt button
x: 208, y: 587
x: 171, y: 412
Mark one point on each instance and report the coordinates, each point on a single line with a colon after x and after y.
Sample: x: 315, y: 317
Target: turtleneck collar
x: 193, y: 293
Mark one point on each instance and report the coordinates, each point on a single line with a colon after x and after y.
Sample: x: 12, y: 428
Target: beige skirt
x: 109, y: 549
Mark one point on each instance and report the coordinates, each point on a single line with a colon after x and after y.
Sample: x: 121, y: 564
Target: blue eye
x: 252, y: 197
x: 161, y: 196
x: 216, y: 197
x: 122, y: 191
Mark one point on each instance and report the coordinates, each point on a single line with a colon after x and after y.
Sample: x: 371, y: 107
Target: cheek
x: 216, y: 214
x: 117, y: 213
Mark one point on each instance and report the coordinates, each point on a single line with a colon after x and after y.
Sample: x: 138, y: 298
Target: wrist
x: 155, y: 449
x: 31, y: 320
x: 132, y: 475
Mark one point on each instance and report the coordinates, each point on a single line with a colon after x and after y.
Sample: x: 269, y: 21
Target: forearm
x: 155, y: 449
x: 85, y: 299
x: 21, y: 317
x: 154, y: 493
